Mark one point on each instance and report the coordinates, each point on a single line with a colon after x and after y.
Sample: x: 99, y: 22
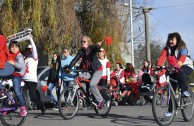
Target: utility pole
x: 131, y: 31
x: 145, y: 11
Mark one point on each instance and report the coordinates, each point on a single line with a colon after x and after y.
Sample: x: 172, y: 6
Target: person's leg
x: 174, y: 86
x: 184, y: 72
x: 35, y: 95
x: 49, y: 92
x: 58, y: 92
x: 7, y: 70
x: 93, y: 85
x: 17, y: 90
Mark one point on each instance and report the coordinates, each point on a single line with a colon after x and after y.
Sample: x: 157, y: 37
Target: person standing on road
x: 30, y: 78
x: 67, y: 78
x: 105, y: 79
x: 53, y: 77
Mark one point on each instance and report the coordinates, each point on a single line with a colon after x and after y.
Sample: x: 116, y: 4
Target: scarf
x: 14, y: 55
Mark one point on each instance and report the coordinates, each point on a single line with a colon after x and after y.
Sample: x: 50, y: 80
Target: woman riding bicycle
x: 177, y: 51
x: 90, y: 62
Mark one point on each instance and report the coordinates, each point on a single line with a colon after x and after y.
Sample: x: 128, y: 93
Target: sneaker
x: 168, y: 114
x: 43, y: 110
x: 186, y: 94
x: 23, y: 111
x: 100, y: 104
x: 4, y: 113
x: 108, y: 104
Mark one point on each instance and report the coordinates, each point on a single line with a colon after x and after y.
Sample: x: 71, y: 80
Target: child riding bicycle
x: 178, y: 57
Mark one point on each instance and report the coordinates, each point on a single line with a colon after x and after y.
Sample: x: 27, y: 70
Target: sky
x: 174, y: 16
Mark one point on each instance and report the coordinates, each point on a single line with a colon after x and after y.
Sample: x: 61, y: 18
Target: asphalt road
x: 119, y: 116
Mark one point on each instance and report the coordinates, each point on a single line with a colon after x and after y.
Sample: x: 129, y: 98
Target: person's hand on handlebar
x: 66, y: 69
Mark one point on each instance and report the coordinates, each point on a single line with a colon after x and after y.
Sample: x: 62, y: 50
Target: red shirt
x: 4, y: 52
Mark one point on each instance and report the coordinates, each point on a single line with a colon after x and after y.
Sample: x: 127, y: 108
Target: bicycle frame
x: 12, y: 102
x: 171, y: 90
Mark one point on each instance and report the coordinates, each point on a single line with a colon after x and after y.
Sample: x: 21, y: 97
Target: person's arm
x: 20, y: 64
x: 122, y: 74
x: 60, y: 74
x: 108, y: 71
x: 182, y: 58
x: 75, y: 59
x: 34, y: 49
x: 162, y: 57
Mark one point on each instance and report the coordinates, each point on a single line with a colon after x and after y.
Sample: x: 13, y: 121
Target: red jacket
x: 4, y: 52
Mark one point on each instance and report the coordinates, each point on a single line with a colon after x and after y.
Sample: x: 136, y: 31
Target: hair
x: 120, y: 65
x: 88, y: 39
x: 1, y: 33
x: 58, y: 61
x: 129, y: 68
x: 180, y: 43
x: 12, y: 43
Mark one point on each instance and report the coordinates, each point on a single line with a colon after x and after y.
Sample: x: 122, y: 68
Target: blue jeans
x: 17, y: 89
x: 66, y: 84
x: 7, y: 70
x: 49, y: 92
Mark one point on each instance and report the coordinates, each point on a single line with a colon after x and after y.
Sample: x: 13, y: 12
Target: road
x: 119, y: 116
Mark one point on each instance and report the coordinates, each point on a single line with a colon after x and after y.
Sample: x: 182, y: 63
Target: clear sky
x: 174, y: 16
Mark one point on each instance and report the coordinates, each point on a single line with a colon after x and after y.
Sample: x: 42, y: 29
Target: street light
x: 131, y: 30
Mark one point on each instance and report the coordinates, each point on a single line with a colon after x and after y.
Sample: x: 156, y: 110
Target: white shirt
x: 31, y: 69
x: 106, y: 68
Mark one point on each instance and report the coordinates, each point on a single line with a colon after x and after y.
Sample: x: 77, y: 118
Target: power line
x: 181, y: 5
x: 171, y: 29
x: 162, y: 22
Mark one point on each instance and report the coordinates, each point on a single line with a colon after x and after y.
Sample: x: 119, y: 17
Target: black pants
x: 34, y: 93
x: 103, y: 82
x: 182, y: 78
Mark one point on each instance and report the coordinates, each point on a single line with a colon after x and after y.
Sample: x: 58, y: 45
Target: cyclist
x: 19, y: 64
x: 90, y: 62
x: 176, y: 48
x: 6, y: 68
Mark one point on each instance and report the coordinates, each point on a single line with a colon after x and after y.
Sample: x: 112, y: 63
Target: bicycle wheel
x: 187, y: 106
x: 107, y: 102
x: 68, y: 103
x: 160, y: 106
x: 12, y: 117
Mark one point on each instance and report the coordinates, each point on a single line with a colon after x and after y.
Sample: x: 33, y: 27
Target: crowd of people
x: 92, y: 57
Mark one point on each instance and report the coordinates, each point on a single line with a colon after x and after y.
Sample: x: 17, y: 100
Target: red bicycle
x: 70, y: 97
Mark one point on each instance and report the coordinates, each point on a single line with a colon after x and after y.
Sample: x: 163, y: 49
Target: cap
x: 102, y: 50
x: 29, y: 47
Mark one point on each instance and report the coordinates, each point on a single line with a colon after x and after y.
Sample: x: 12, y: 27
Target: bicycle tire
x: 67, y: 102
x: 107, y: 102
x: 188, y: 108
x: 12, y: 114
x: 159, y: 98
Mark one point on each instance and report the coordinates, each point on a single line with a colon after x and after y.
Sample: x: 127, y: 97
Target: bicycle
x: 71, y: 96
x: 162, y: 98
x: 10, y: 105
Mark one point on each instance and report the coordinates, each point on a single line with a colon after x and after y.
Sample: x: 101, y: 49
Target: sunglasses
x: 64, y: 51
x: 83, y: 41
